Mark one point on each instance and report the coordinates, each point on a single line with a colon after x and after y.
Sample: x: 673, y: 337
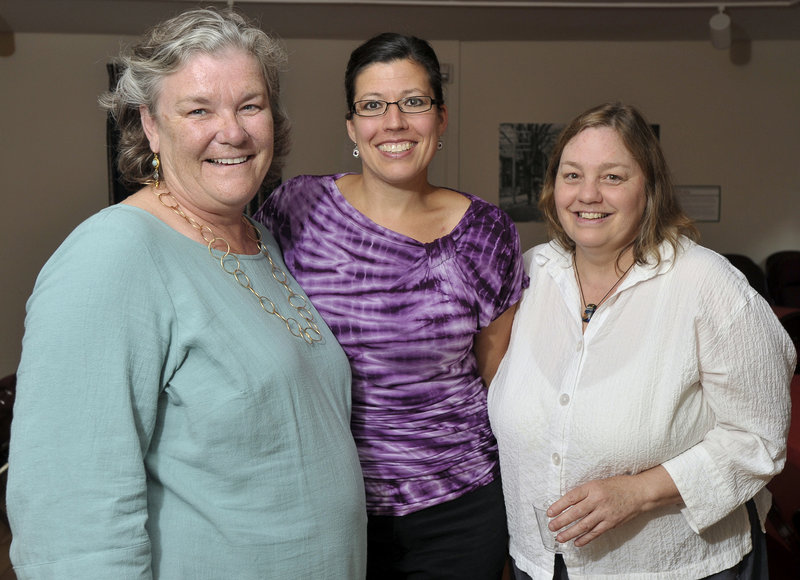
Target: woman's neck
x: 599, y: 274
x: 198, y: 225
x: 377, y: 198
x: 425, y: 214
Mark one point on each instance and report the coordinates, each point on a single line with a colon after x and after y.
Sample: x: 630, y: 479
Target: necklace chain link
x: 229, y: 262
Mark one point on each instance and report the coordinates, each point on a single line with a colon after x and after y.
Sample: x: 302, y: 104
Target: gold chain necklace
x: 308, y: 330
x: 589, y: 309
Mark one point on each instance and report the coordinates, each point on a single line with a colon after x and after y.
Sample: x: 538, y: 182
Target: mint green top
x: 167, y: 427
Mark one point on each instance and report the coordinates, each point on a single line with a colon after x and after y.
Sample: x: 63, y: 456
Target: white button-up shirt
x: 684, y: 366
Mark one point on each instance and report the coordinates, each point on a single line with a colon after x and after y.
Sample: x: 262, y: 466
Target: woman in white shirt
x: 646, y: 387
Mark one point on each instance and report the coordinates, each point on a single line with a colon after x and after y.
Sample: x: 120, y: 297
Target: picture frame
x: 700, y: 202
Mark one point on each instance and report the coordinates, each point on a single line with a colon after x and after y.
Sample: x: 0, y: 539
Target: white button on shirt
x: 684, y: 366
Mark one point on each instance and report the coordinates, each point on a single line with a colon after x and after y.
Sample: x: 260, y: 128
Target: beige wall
x: 736, y: 126
x: 52, y: 160
x: 721, y: 124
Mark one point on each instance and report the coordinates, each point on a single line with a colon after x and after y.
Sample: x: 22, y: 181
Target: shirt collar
x: 557, y: 260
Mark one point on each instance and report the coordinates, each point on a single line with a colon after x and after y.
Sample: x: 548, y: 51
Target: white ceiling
x: 432, y: 19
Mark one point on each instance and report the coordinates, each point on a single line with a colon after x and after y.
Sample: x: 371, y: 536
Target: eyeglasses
x: 376, y: 108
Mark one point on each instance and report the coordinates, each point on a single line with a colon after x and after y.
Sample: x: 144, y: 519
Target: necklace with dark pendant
x: 590, y: 309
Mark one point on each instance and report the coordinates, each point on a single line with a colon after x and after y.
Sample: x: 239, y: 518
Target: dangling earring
x: 356, y: 152
x: 156, y: 167
x: 440, y: 145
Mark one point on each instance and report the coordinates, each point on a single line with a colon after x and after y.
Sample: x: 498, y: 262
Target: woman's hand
x: 603, y: 504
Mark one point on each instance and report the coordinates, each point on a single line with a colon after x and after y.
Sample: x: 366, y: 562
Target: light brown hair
x: 663, y: 219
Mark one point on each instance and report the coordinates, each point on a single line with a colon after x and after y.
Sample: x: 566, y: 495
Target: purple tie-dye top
x: 406, y: 314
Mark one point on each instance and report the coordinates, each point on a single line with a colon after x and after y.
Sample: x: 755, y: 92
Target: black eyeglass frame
x: 434, y: 102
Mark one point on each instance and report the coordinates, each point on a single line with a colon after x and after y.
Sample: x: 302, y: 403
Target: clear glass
x: 542, y: 519
x: 376, y: 107
x: 540, y: 507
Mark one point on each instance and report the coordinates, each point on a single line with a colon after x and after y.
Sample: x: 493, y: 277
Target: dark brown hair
x: 388, y: 47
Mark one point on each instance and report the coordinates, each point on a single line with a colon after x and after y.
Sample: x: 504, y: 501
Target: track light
x: 720, y: 26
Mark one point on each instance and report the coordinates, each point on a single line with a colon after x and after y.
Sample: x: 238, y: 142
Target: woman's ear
x: 150, y: 127
x: 442, y: 111
x: 351, y: 132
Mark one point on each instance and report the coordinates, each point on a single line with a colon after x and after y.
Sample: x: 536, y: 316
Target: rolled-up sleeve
x: 745, y: 373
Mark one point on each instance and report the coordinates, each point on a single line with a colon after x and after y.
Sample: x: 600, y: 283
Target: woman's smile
x: 591, y: 215
x: 396, y: 147
x: 229, y: 161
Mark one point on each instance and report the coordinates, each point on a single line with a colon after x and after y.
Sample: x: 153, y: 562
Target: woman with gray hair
x: 182, y: 409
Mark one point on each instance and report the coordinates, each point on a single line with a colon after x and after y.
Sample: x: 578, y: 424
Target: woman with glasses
x: 418, y: 283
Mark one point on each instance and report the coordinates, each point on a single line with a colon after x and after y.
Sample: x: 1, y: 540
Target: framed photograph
x: 524, y: 152
x: 700, y: 202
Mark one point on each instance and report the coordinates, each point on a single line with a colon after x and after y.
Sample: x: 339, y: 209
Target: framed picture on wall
x: 524, y: 151
x: 700, y: 202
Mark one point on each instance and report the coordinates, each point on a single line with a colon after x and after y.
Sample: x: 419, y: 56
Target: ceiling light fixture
x: 720, y: 27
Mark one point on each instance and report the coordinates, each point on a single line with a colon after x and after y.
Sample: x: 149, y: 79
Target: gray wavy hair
x: 163, y: 51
